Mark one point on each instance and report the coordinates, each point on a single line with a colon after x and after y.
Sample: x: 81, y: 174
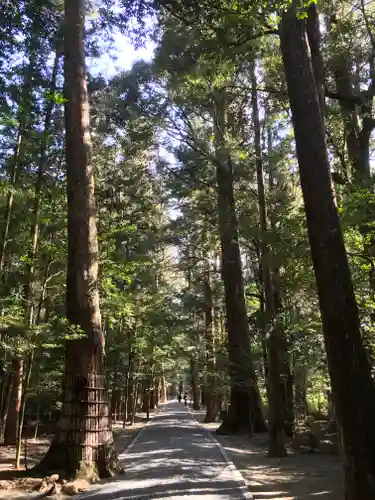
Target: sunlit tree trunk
x: 353, y: 390
x: 11, y: 428
x: 84, y: 436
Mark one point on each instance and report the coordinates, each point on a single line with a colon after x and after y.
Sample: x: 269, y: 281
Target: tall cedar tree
x: 353, y: 390
x: 84, y: 436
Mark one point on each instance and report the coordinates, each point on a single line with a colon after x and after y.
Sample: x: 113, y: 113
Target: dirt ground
x: 10, y: 484
x: 300, y: 476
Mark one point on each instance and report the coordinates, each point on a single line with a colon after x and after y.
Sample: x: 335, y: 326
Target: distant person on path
x: 185, y: 399
x: 179, y: 398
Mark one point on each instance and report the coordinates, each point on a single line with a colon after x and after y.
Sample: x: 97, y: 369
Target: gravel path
x: 173, y: 458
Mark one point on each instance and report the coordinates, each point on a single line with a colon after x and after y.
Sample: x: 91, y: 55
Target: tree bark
x: 275, y: 385
x: 21, y: 417
x: 353, y: 390
x: 84, y: 437
x: 241, y: 373
x: 358, y: 126
x: 300, y: 389
x: 163, y: 388
x: 285, y: 368
x: 317, y: 63
x: 194, y: 383
x: 5, y: 405
x: 11, y: 427
x: 210, y: 392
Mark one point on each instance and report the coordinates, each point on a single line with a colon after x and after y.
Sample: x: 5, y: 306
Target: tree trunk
x: 37, y: 420
x: 84, y: 437
x: 259, y: 423
x: 11, y: 427
x: 129, y: 382
x: 135, y: 397
x: 241, y: 372
x: 163, y: 388
x: 358, y: 125
x: 353, y: 390
x: 5, y: 405
x: 317, y: 62
x: 288, y: 402
x: 114, y: 392
x: 129, y: 396
x: 21, y: 418
x: 275, y: 386
x: 210, y: 392
x: 194, y: 383
x: 287, y: 377
x: 146, y: 400
x: 300, y: 378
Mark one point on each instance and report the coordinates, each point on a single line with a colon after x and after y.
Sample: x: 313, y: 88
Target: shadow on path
x: 174, y: 458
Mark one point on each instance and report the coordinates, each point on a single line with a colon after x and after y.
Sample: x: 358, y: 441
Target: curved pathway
x: 173, y: 458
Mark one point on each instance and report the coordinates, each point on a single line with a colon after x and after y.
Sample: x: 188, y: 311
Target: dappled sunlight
x: 295, y: 477
x: 173, y: 458
x: 150, y: 453
x: 320, y: 493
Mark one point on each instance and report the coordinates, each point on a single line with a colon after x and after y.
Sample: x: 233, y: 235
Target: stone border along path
x: 237, y: 474
x: 173, y: 458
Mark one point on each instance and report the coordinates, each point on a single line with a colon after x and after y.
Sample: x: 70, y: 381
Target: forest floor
x: 302, y: 475
x: 13, y: 487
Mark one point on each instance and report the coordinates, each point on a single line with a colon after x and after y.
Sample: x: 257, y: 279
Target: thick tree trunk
x: 353, y: 390
x: 275, y: 385
x: 11, y: 427
x: 241, y: 372
x: 84, y: 436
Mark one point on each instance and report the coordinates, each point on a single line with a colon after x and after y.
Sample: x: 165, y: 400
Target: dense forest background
x: 234, y: 215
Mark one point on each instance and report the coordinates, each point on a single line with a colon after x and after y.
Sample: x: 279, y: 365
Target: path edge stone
x: 247, y: 495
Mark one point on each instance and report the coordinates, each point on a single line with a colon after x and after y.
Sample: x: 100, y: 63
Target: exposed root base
x: 238, y: 418
x: 277, y: 453
x: 209, y: 419
x: 260, y: 428
x: 230, y: 426
x: 59, y: 458
x: 277, y: 447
